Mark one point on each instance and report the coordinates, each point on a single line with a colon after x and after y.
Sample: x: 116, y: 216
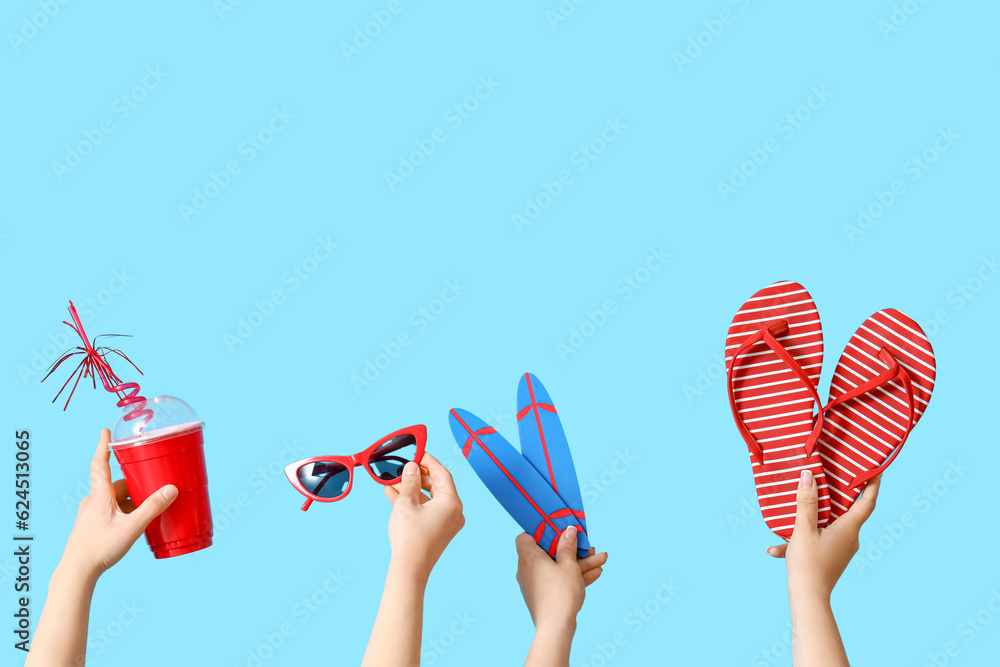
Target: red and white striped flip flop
x: 774, y: 351
x: 880, y: 389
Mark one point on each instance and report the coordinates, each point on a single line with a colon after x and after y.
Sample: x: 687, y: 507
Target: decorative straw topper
x: 95, y: 365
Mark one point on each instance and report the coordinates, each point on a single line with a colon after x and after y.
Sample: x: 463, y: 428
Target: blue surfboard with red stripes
x: 526, y: 485
x: 543, y: 443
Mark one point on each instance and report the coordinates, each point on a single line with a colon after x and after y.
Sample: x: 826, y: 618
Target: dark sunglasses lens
x: 326, y: 479
x: 388, y: 460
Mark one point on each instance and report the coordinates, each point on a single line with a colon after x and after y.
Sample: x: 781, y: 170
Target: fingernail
x: 169, y: 492
x: 410, y: 468
x: 569, y: 532
x: 806, y: 480
x: 424, y: 470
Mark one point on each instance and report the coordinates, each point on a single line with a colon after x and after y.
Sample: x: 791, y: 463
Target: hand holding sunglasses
x: 329, y: 478
x: 420, y: 528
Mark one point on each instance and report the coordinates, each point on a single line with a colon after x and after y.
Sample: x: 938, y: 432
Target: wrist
x: 408, y: 571
x: 556, y: 625
x: 78, y: 569
x: 552, y: 642
x: 813, y: 594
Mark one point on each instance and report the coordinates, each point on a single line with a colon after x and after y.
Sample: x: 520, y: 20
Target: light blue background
x: 674, y: 512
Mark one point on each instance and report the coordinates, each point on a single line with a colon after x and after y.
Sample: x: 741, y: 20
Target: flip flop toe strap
x: 768, y: 336
x: 894, y: 371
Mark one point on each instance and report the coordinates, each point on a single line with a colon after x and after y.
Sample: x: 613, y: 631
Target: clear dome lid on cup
x: 170, y: 415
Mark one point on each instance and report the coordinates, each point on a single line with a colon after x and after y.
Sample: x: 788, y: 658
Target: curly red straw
x: 95, y: 365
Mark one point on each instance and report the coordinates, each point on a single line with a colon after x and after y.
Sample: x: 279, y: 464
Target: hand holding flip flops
x: 880, y: 389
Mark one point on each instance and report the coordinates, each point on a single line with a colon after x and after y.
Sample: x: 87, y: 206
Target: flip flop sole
x: 861, y: 434
x: 772, y: 401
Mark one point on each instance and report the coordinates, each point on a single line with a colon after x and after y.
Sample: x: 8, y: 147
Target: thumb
x: 152, y: 507
x: 566, y: 549
x: 409, y: 484
x: 806, y: 504
x: 778, y: 551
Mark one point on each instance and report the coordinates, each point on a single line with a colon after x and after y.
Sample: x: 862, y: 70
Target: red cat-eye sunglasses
x: 329, y: 478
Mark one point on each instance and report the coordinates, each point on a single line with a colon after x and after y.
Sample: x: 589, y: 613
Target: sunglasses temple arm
x: 306, y: 504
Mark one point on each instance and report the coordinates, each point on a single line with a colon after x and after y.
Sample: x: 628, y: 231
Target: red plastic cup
x: 170, y: 455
